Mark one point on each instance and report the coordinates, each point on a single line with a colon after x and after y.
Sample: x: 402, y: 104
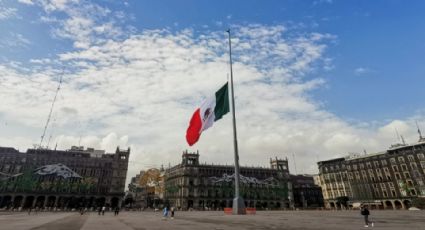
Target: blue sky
x: 330, y: 76
x: 382, y: 40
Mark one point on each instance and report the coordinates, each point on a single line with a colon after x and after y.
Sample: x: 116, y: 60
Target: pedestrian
x: 365, y: 212
x: 29, y: 210
x: 172, y: 212
x: 99, y: 210
x: 117, y: 211
x: 165, y: 213
x: 103, y: 210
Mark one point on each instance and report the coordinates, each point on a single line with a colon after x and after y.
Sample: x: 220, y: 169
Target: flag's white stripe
x: 207, y: 118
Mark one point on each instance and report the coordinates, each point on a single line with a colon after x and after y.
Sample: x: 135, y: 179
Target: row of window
x: 393, y: 160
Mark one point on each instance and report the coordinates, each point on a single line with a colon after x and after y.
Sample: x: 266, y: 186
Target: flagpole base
x: 238, y: 206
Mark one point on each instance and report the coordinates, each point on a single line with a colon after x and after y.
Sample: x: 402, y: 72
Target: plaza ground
x: 211, y: 220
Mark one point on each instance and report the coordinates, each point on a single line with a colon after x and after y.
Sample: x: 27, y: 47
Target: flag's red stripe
x: 194, y: 131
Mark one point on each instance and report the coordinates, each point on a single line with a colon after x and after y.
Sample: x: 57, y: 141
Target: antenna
x: 398, y: 135
x: 419, y: 131
x: 402, y: 139
x: 51, y: 108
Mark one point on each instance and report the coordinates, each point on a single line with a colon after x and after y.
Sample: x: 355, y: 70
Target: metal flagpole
x: 238, y: 202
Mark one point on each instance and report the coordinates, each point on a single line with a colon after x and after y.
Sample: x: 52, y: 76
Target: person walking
x: 165, y: 213
x: 172, y: 212
x: 365, y: 212
x: 103, y: 210
x: 117, y: 211
x: 99, y: 210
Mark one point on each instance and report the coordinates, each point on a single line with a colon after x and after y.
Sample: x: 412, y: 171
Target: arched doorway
x: 332, y: 204
x: 389, y: 205
x: 17, y: 202
x: 100, y: 202
x: 29, y: 200
x: 81, y: 202
x: 51, y: 201
x: 6, y: 201
x: 398, y: 204
x: 40, y: 201
x: 91, y: 202
x: 115, y: 202
x: 61, y: 202
x: 407, y: 204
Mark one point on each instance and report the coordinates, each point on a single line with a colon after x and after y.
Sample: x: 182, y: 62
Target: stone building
x: 63, y: 179
x: 389, y: 179
x: 206, y: 186
x: 147, y: 188
x: 306, y: 193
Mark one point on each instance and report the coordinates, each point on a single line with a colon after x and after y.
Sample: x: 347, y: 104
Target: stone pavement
x: 212, y: 220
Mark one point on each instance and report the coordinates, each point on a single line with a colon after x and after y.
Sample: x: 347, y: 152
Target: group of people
x: 167, y: 211
x: 101, y: 210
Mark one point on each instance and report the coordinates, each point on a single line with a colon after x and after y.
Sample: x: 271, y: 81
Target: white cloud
x: 27, y: 2
x: 14, y: 40
x: 7, y: 12
x: 83, y: 22
x: 362, y: 70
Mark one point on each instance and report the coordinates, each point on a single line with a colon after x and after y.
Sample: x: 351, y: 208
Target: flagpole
x: 238, y: 202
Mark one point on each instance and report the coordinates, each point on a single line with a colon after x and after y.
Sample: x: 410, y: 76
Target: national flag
x: 211, y: 110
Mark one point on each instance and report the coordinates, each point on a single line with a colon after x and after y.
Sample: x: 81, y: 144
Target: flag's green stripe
x: 221, y: 102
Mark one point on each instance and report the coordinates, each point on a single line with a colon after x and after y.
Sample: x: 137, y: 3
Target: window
x: 361, y: 166
x: 383, y: 162
x: 423, y: 164
x: 413, y: 165
x: 395, y: 168
x: 355, y: 167
x: 411, y: 158
x: 392, y: 160
x: 376, y: 163
x: 393, y: 193
x: 385, y: 194
x: 397, y: 175
x: 407, y: 175
x: 404, y: 167
x: 369, y: 165
x: 348, y: 167
x: 421, y: 156
x: 401, y: 159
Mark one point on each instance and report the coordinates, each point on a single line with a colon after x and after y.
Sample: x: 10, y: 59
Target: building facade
x: 306, y: 193
x: 385, y: 180
x: 63, y: 179
x: 147, y: 188
x: 191, y: 185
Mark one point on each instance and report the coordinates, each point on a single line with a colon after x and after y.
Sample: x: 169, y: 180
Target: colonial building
x: 306, y: 193
x: 147, y: 188
x: 206, y: 186
x: 389, y: 179
x: 62, y: 179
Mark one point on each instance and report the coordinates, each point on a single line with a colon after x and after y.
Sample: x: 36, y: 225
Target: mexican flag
x: 211, y: 110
